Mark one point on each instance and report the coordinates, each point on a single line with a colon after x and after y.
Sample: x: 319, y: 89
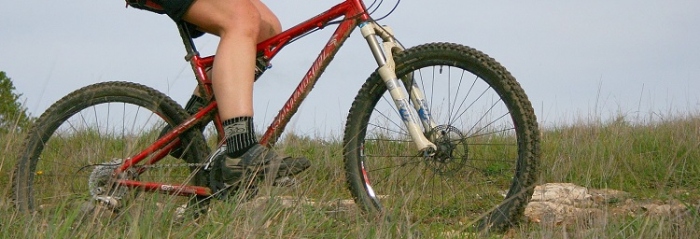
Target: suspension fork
x: 412, y: 117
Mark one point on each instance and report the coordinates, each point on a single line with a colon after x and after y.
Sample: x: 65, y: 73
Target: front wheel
x: 484, y: 170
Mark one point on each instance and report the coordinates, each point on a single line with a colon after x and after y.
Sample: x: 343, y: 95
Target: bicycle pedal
x: 111, y: 203
x: 285, y: 181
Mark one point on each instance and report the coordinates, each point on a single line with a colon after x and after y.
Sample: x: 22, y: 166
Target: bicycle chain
x: 189, y: 165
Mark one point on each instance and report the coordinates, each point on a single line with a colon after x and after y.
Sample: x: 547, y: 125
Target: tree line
x: 13, y: 114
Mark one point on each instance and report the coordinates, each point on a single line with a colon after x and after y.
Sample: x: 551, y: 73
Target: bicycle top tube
x: 349, y: 9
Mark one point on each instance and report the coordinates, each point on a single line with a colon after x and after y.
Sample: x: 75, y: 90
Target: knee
x: 274, y: 24
x: 242, y: 23
x: 269, y: 28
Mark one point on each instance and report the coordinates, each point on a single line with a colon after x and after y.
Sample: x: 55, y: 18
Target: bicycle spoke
x: 389, y: 130
x: 459, y: 86
x: 470, y: 105
x: 484, y: 116
x: 491, y: 133
x: 466, y: 96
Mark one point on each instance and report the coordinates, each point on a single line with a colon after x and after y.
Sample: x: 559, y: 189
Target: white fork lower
x: 387, y: 71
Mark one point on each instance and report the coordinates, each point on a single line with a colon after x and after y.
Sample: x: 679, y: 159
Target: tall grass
x: 658, y: 159
x: 655, y: 161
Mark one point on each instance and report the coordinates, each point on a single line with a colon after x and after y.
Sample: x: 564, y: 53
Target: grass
x: 656, y: 161
x: 651, y: 160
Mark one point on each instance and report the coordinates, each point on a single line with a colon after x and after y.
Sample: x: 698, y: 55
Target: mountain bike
x: 439, y: 133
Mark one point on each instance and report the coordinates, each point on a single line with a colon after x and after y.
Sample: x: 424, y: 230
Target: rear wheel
x: 71, y: 151
x: 484, y: 170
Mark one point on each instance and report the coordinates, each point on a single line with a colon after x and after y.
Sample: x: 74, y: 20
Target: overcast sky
x: 575, y: 59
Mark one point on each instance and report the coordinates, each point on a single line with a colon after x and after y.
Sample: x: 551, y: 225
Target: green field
x: 657, y: 161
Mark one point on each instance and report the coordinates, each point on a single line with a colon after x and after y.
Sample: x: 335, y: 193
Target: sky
x: 574, y: 59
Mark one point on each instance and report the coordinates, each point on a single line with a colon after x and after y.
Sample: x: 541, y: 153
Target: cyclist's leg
x: 269, y: 26
x: 237, y: 23
x: 240, y: 24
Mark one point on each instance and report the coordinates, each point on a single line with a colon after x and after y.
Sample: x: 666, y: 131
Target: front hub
x: 452, y: 151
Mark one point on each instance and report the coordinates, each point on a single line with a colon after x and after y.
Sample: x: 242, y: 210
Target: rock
x: 570, y: 204
x: 553, y: 213
x: 672, y: 209
x: 566, y: 193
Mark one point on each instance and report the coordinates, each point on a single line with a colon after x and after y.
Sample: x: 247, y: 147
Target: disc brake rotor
x: 451, y: 154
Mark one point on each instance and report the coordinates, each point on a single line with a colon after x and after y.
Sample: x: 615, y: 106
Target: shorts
x: 176, y: 9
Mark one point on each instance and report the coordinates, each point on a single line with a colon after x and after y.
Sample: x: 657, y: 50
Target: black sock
x: 240, y: 135
x: 194, y: 104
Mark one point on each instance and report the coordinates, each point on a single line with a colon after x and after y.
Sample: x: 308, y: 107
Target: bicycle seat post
x: 187, y: 40
x: 193, y: 56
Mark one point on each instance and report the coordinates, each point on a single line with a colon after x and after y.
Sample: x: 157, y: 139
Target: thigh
x: 213, y: 16
x: 217, y: 16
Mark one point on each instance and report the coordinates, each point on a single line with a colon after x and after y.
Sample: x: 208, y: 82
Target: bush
x: 13, y: 114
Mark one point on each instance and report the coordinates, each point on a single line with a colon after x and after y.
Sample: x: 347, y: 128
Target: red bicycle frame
x: 353, y: 13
